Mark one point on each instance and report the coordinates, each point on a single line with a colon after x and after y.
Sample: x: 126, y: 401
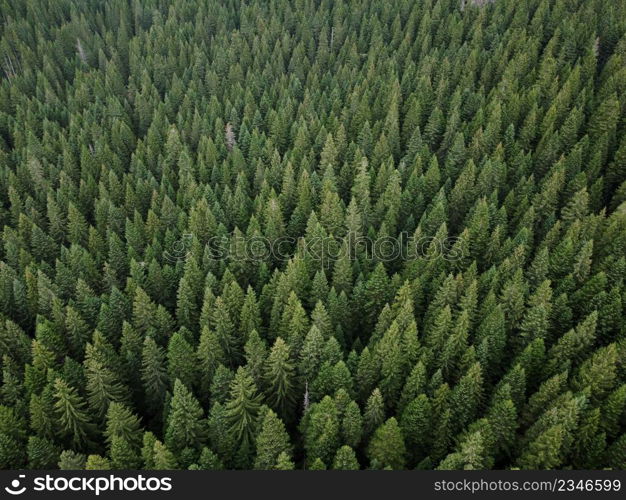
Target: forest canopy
x: 313, y: 234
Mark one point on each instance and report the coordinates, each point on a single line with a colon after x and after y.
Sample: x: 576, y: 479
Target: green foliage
x: 387, y: 235
x: 72, y: 414
x: 122, y: 423
x: 97, y: 462
x: 42, y: 454
x: 345, y: 459
x: 123, y: 454
x: 280, y: 378
x: 387, y: 449
x: 70, y: 460
x: 321, y: 431
x: 272, y: 443
x: 209, y: 460
x: 284, y: 462
x: 185, y: 425
x: 180, y: 357
x: 154, y: 374
x: 242, y: 408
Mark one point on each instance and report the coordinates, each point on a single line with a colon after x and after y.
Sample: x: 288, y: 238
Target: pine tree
x: 404, y: 210
x: 616, y: 453
x: 220, y: 385
x: 471, y: 455
x: 467, y: 395
x: 179, y: 352
x: 415, y: 423
x: 279, y: 374
x: 242, y: 408
x: 272, y: 442
x: 154, y: 374
x: 374, y: 411
x: 70, y: 460
x: 225, y: 329
x: 209, y: 460
x: 318, y: 464
x: 42, y: 454
x: 185, y: 426
x: 122, y: 423
x: 96, y: 462
x: 545, y: 451
x: 345, y: 459
x: 72, y: 414
x: 123, y: 454
x: 12, y: 434
x: 502, y: 418
x: 321, y: 431
x: 162, y: 458
x: 103, y: 386
x: 284, y: 462
x: 386, y: 448
x: 210, y: 356
x: 352, y: 425
x: 311, y: 354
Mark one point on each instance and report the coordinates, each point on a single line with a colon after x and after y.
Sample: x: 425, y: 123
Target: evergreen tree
x: 345, y: 459
x: 72, y: 414
x: 123, y: 454
x: 179, y: 353
x: 242, y: 408
x: 280, y: 376
x: 272, y: 443
x: 185, y: 426
x: 96, y: 462
x: 387, y: 449
x: 154, y: 374
x: 70, y: 460
x: 374, y: 411
x: 352, y: 425
x: 284, y: 462
x: 321, y: 431
x: 400, y: 224
x: 42, y: 454
x: 122, y: 423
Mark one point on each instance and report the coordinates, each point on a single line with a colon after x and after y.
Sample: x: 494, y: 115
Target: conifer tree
x: 321, y: 431
x: 242, y: 408
x: 154, y: 373
x: 374, y: 411
x: 122, y: 423
x: 345, y: 459
x: 42, y: 454
x: 272, y: 443
x: 280, y: 375
x: 387, y: 449
x: 179, y: 352
x: 70, y: 460
x: 72, y: 414
x: 352, y: 425
x: 97, y: 462
x: 401, y: 226
x: 185, y: 426
x: 284, y: 462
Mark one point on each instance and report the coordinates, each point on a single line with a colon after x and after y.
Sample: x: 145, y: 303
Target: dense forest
x: 313, y: 234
